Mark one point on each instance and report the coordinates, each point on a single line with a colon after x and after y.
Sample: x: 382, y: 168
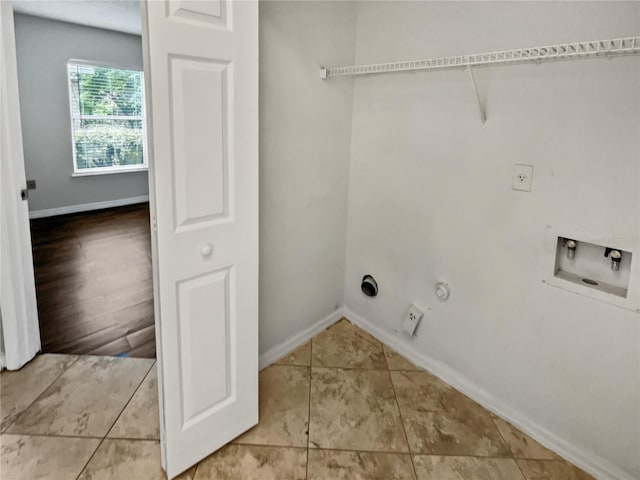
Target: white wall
x: 431, y: 199
x: 305, y: 127
x: 43, y: 48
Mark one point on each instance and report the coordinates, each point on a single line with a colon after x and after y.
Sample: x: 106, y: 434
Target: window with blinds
x: 107, y: 118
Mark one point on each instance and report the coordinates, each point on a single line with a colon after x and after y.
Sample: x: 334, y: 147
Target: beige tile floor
x: 342, y: 406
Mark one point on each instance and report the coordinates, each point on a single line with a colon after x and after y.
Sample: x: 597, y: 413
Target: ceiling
x: 118, y: 15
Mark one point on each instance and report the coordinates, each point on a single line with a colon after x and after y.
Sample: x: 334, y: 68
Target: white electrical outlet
x: 411, y: 320
x: 522, y: 177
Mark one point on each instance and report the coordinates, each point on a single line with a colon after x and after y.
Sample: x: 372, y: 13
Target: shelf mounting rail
x: 564, y: 51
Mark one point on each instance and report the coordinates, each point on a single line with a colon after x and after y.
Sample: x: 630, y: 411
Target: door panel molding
x: 211, y: 130
x: 207, y: 296
x: 214, y: 13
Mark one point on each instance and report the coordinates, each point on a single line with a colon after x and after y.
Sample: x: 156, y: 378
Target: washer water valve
x: 616, y: 256
x: 571, y: 249
x: 443, y: 291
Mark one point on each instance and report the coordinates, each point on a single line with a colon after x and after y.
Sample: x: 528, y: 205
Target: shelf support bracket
x: 483, y: 115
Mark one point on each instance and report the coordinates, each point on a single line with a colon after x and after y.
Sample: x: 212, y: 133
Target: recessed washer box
x: 589, y: 266
x: 588, y: 270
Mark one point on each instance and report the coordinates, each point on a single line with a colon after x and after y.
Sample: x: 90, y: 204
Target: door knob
x: 206, y: 250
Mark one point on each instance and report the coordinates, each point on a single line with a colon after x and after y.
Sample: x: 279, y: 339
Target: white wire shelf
x: 564, y: 51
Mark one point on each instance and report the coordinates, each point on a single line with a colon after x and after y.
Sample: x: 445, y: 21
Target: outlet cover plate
x: 411, y: 320
x: 522, y: 177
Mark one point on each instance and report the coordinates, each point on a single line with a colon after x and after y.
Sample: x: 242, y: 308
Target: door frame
x: 13, y: 332
x: 20, y: 328
x: 27, y: 270
x: 148, y: 136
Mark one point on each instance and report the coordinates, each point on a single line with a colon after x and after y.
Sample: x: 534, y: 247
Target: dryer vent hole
x: 369, y: 286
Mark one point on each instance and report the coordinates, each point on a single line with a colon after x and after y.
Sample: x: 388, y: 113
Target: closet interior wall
x: 305, y: 135
x: 430, y: 200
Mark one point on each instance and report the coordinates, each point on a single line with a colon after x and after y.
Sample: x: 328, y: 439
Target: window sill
x: 109, y: 171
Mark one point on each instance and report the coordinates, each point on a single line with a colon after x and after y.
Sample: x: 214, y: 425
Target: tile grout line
x: 270, y: 445
x: 286, y: 365
x: 493, y: 420
x: 510, y: 455
x: 520, y: 468
x: 114, y: 422
x: 387, y: 369
x: 195, y: 472
x: 516, y: 457
x: 513, y: 455
x: 48, y: 435
x: 132, y: 439
x: 90, y: 458
x: 19, y: 415
x: 309, y: 410
x: 386, y: 452
x: 395, y: 396
x: 130, y: 398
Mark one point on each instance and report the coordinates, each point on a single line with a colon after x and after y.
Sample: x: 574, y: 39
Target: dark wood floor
x: 94, y: 283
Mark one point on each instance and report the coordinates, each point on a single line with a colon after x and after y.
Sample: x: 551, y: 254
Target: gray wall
x: 43, y: 48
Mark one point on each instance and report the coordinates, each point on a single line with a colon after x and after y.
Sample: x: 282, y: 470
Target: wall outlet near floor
x: 411, y: 320
x: 522, y: 177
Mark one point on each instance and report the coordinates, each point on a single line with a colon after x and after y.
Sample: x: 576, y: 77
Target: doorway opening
x: 84, y: 137
x: 201, y: 62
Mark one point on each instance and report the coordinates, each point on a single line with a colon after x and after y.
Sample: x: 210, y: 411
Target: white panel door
x: 201, y: 67
x: 19, y: 317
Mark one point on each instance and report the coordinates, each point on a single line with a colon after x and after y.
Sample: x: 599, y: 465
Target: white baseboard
x: 285, y: 348
x: 87, y: 207
x: 599, y: 467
